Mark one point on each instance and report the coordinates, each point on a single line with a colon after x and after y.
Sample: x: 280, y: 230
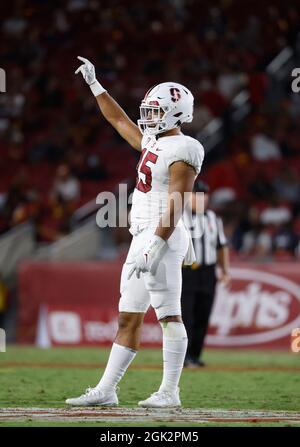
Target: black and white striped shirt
x: 207, y: 235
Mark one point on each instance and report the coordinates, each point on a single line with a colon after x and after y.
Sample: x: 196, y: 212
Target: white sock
x: 174, y: 349
x: 119, y: 359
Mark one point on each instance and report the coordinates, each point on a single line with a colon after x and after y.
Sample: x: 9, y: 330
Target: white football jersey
x: 150, y: 197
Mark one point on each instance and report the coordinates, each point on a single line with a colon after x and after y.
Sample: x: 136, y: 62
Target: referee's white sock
x: 119, y: 359
x: 174, y: 348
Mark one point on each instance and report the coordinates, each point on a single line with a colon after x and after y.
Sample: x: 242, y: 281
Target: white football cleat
x: 93, y: 397
x: 162, y: 399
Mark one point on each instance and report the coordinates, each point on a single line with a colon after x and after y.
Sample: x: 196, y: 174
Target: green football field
x: 236, y: 388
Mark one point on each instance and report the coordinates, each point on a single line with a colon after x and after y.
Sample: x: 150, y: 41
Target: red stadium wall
x: 77, y: 304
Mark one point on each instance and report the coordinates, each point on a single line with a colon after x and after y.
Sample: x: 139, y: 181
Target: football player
x: 151, y: 275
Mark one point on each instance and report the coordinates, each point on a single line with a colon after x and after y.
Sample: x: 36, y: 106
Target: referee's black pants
x: 198, y: 291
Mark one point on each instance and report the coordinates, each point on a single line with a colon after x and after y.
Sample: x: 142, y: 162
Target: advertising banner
x: 77, y: 304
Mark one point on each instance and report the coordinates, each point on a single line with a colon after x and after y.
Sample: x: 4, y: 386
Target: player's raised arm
x: 110, y: 109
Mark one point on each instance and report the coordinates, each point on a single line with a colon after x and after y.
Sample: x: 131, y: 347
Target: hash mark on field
x: 123, y: 414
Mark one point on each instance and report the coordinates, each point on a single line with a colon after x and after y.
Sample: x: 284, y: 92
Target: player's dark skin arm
x: 182, y: 177
x: 117, y: 117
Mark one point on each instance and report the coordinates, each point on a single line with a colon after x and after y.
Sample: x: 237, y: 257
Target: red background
x: 92, y: 290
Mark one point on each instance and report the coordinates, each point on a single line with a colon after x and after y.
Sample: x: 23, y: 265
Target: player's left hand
x: 149, y: 258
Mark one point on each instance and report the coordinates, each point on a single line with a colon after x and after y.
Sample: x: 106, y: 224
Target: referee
x: 199, y: 279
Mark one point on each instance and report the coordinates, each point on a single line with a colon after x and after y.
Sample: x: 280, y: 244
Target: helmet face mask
x: 166, y: 106
x: 152, y: 119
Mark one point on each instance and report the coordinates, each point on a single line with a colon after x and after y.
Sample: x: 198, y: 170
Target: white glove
x: 87, y: 70
x: 149, y: 258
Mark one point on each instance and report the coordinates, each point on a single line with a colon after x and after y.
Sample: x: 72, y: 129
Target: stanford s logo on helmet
x: 175, y: 94
x: 165, y: 107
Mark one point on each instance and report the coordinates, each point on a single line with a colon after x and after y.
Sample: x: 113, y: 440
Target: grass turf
x: 233, y: 380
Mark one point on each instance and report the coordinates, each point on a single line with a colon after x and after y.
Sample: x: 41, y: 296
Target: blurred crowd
x: 56, y: 153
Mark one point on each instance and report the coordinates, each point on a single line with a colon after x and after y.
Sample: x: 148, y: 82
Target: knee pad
x: 174, y: 330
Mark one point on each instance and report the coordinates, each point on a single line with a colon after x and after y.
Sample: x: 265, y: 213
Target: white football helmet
x: 165, y: 106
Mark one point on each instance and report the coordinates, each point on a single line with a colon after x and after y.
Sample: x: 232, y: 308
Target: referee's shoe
x: 193, y: 363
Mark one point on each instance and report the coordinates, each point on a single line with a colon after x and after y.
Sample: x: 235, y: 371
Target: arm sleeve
x: 191, y: 153
x: 222, y: 240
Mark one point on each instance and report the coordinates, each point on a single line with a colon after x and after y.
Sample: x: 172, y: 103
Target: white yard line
x: 122, y: 414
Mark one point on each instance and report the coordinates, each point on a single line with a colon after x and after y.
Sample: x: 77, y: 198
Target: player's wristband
x: 97, y: 88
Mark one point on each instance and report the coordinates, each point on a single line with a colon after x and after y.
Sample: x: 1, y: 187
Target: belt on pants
x: 197, y: 266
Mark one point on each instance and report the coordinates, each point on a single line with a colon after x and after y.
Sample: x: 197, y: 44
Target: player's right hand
x: 87, y: 70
